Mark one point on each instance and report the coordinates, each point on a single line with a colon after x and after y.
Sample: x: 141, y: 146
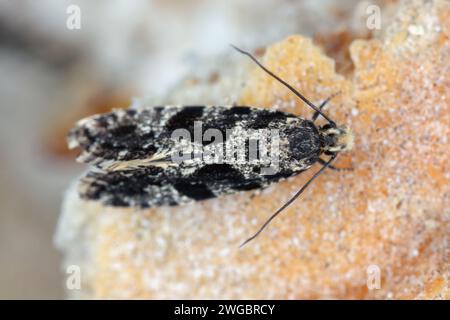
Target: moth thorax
x: 336, y: 139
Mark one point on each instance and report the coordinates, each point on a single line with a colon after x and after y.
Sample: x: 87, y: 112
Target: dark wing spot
x: 142, y: 188
x: 185, y: 118
x: 122, y: 131
x: 119, y: 184
x: 219, y: 172
x: 263, y: 118
x: 237, y: 110
x: 224, y: 176
x: 131, y: 112
x: 86, y: 134
x: 195, y: 191
x: 117, y: 202
x: 102, y: 121
x: 248, y: 185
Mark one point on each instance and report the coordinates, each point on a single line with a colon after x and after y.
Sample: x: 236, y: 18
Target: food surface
x: 386, y: 220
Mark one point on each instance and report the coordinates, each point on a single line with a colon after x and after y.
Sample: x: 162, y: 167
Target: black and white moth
x: 131, y: 152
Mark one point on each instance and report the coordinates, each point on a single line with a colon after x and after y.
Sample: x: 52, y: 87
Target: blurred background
x: 63, y: 60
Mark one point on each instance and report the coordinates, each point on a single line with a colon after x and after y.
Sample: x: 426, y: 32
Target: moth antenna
x: 299, y: 192
x: 287, y: 85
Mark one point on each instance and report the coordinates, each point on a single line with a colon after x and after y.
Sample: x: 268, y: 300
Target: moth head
x: 336, y: 139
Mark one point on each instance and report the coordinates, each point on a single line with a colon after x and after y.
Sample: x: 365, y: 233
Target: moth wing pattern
x: 121, y: 145
x: 120, y: 135
x: 152, y: 187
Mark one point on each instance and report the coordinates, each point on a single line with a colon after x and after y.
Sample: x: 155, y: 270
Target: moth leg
x: 322, y: 162
x: 317, y: 114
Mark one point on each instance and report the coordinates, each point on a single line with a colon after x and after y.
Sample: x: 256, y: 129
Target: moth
x: 131, y: 152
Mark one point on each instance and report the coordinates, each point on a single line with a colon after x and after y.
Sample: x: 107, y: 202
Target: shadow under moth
x: 136, y: 160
